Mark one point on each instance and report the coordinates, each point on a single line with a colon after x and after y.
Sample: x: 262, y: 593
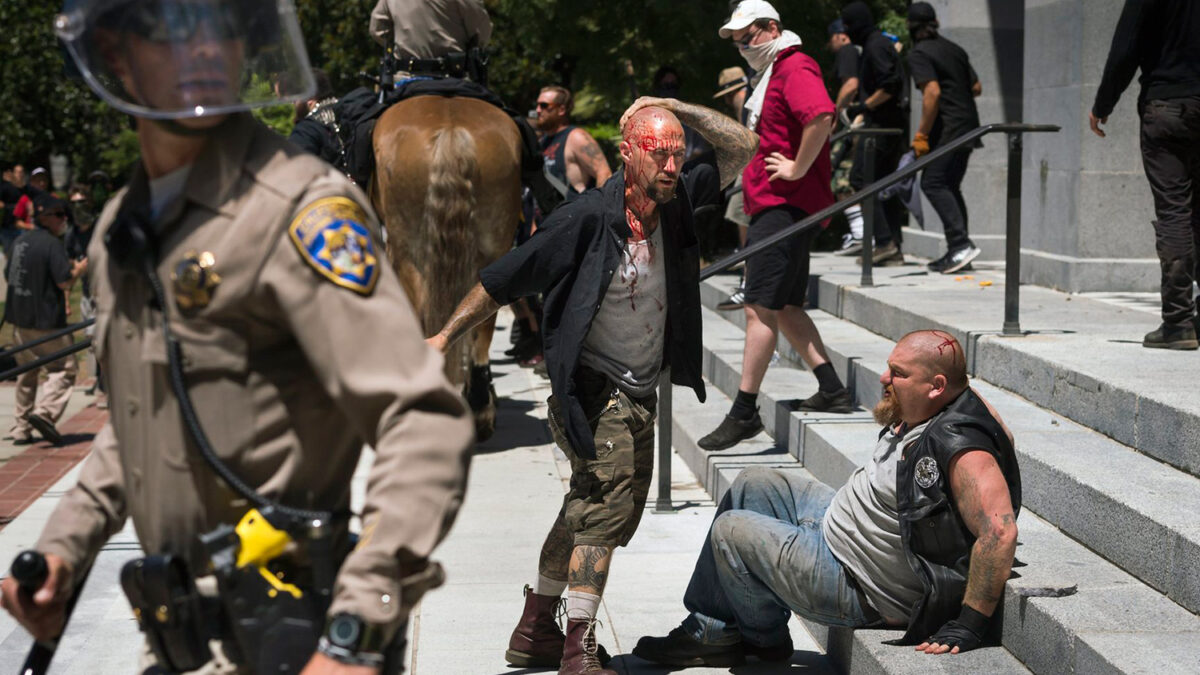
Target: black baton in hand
x: 30, y: 570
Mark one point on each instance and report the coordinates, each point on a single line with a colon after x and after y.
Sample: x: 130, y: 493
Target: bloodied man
x: 618, y: 266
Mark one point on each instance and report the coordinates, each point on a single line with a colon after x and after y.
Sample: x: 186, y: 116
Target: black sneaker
x: 939, y: 264
x: 772, y: 653
x: 46, y: 428
x: 958, y: 259
x: 731, y: 432
x: 834, y: 402
x: 681, y: 650
x: 1164, y: 337
x: 736, y: 300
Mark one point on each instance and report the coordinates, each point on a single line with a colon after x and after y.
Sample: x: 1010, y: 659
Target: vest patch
x: 332, y: 237
x: 926, y: 472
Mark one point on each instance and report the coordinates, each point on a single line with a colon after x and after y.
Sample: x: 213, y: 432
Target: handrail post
x: 1012, y: 256
x: 663, y: 503
x: 868, y: 211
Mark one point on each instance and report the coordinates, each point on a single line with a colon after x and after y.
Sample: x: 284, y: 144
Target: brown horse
x: 447, y: 185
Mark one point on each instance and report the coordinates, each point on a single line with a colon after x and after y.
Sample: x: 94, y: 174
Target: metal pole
x: 50, y: 337
x: 868, y: 211
x: 49, y: 358
x: 663, y: 503
x: 1012, y: 256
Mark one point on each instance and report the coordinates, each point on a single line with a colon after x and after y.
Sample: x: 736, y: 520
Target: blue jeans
x: 765, y: 558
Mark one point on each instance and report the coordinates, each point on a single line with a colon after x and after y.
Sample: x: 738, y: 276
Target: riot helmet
x: 183, y: 59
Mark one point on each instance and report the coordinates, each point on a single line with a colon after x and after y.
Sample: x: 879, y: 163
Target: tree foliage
x: 581, y: 44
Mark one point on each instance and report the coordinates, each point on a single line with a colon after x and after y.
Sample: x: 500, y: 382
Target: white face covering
x: 763, y: 55
x: 762, y: 59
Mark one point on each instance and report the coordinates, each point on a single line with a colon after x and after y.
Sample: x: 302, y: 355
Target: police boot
x: 581, y: 652
x: 537, y: 641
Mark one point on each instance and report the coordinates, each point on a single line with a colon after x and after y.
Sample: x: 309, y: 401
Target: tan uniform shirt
x: 427, y: 29
x: 290, y: 372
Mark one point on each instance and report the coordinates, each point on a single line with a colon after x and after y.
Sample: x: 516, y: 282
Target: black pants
x: 889, y: 213
x: 941, y: 182
x: 1171, y: 155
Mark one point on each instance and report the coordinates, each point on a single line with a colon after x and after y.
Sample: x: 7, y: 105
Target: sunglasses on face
x: 543, y: 105
x: 747, y: 39
x: 173, y: 22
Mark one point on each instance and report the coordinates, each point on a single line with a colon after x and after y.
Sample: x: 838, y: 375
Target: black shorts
x: 778, y: 276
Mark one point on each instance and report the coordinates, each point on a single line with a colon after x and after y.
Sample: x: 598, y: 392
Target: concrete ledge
x: 1079, y: 275
x: 931, y: 244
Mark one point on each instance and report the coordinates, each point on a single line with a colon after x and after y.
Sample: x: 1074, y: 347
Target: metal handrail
x: 49, y: 337
x: 47, y: 359
x: 864, y: 131
x: 1012, y: 254
x: 870, y: 191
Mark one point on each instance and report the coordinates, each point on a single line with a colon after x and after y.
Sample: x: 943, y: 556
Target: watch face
x: 345, y: 630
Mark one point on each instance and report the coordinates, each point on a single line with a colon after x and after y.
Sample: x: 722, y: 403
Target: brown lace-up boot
x: 581, y: 652
x: 537, y: 641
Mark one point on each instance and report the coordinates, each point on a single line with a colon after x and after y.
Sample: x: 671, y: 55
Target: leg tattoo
x: 589, y: 569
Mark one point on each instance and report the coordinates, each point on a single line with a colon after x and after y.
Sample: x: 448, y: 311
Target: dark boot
x: 537, y: 641
x: 581, y: 652
x: 680, y: 650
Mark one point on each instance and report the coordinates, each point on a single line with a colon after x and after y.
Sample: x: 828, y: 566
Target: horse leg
x: 479, y: 392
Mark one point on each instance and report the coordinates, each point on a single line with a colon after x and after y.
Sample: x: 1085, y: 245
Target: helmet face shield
x: 178, y: 59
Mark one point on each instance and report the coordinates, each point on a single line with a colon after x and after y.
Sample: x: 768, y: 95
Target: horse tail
x: 449, y: 210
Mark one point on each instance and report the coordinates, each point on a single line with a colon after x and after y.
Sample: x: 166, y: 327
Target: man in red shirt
x: 788, y: 179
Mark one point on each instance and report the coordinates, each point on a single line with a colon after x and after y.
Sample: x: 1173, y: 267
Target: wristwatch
x: 350, y: 640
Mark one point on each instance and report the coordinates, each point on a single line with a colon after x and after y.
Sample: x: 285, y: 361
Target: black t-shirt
x: 39, y: 264
x: 942, y: 60
x: 76, y: 242
x: 9, y: 194
x: 845, y: 63
x: 880, y: 69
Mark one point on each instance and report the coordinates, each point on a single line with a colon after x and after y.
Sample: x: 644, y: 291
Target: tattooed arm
x: 583, y: 151
x: 983, y: 501
x: 734, y: 143
x: 474, y: 308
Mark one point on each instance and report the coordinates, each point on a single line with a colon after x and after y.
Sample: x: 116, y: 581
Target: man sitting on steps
x: 923, y: 533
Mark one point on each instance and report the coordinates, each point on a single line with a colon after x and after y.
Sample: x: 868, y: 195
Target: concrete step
x: 856, y: 652
x: 1133, y: 510
x: 1080, y: 357
x: 1064, y: 469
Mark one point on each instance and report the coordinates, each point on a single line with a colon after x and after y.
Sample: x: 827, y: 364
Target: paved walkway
x: 516, y: 486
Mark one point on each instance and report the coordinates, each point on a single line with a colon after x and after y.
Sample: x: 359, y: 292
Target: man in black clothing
x: 846, y: 64
x: 941, y: 70
x: 880, y: 86
x: 1159, y: 37
x: 39, y: 275
x: 10, y: 194
x: 619, y: 269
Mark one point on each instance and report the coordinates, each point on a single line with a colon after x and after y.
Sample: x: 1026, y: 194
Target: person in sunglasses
x: 39, y: 276
x: 296, y: 343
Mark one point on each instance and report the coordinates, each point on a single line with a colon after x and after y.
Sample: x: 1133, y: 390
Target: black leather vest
x: 936, y: 542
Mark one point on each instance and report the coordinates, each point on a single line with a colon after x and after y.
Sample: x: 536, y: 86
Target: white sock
x: 582, y: 606
x: 854, y: 215
x: 547, y: 586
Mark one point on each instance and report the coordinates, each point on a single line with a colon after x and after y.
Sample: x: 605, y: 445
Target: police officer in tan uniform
x: 428, y: 29
x: 298, y: 345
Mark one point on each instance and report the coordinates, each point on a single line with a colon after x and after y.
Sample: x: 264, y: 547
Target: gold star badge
x: 195, y: 280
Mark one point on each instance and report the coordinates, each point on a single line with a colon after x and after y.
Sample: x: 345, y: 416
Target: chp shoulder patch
x: 332, y: 237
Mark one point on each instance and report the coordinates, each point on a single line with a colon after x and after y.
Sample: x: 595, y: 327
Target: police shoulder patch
x: 332, y: 237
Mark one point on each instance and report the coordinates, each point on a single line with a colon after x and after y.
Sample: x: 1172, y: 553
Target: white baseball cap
x: 746, y: 13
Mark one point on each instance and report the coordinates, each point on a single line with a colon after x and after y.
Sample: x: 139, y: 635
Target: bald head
x: 939, y: 354
x: 651, y: 123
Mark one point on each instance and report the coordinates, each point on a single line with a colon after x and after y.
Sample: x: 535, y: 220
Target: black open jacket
x: 571, y: 259
x: 936, y: 542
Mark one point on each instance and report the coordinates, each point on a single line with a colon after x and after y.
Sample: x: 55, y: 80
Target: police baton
x: 30, y: 570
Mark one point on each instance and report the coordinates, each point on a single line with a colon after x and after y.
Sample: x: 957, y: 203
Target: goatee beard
x: 887, y: 411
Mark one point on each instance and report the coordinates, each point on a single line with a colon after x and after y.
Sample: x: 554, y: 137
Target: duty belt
x: 453, y: 65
